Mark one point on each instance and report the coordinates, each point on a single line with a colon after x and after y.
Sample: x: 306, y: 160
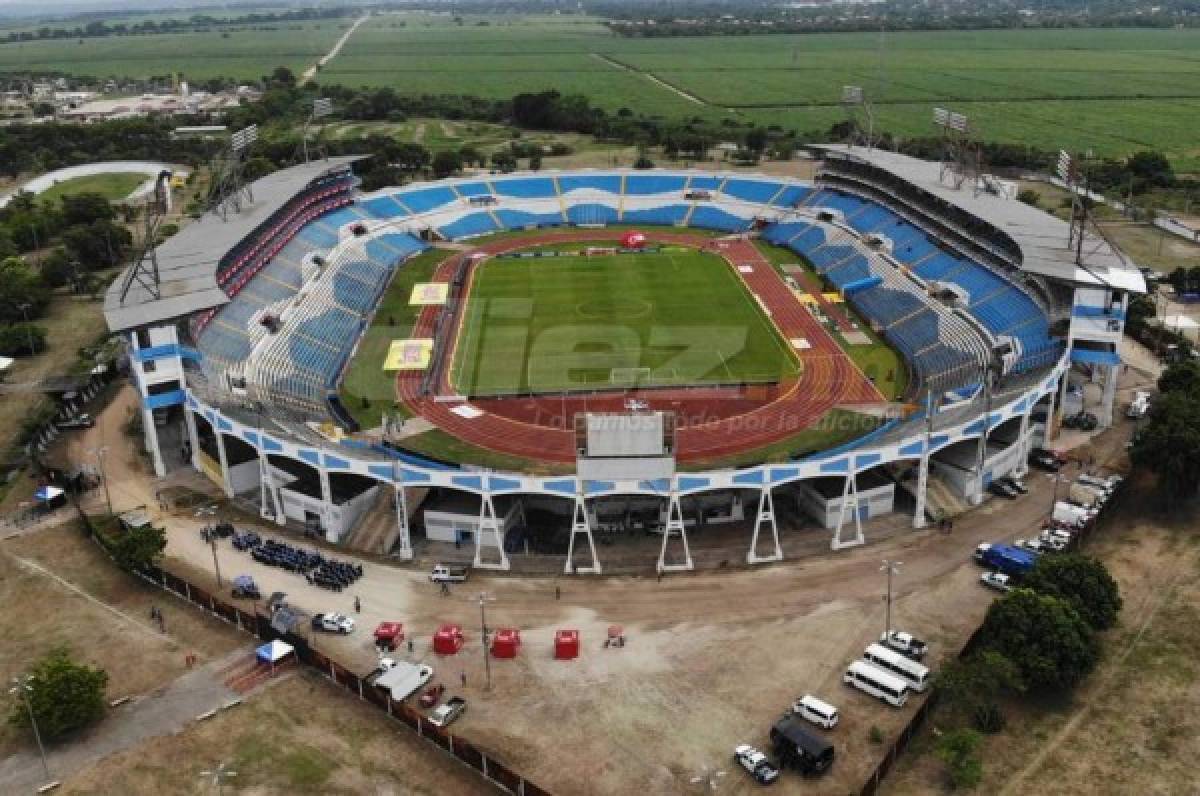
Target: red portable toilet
x: 448, y: 639
x: 505, y: 642
x: 566, y: 644
x: 633, y: 240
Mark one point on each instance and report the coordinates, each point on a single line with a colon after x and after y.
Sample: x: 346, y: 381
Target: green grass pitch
x: 657, y: 319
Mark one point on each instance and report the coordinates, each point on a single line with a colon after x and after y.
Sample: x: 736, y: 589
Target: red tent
x: 566, y: 644
x: 448, y: 639
x: 389, y: 634
x: 506, y: 642
x: 633, y: 240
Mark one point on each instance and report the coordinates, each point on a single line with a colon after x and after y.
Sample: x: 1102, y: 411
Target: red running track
x: 711, y: 422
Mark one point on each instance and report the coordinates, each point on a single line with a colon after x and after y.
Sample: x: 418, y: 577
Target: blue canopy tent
x: 273, y: 652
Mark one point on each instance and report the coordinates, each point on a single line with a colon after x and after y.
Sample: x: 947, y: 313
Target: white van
x: 820, y: 713
x: 1071, y: 515
x: 1139, y: 405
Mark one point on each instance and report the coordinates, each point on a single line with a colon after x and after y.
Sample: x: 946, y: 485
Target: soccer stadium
x: 613, y: 351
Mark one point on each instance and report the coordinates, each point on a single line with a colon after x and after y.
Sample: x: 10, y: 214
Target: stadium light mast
x: 321, y: 107
x: 961, y: 158
x: 891, y: 568
x: 853, y: 99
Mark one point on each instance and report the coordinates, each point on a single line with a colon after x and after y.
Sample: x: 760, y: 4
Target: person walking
x: 557, y: 593
x: 357, y: 605
x: 463, y: 676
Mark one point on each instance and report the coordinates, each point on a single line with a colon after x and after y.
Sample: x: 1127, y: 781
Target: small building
x: 448, y: 639
x: 821, y: 498
x: 566, y: 645
x: 506, y: 642
x: 453, y: 516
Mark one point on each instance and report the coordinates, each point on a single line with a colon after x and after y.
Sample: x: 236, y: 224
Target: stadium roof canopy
x: 1042, y: 238
x: 187, y: 261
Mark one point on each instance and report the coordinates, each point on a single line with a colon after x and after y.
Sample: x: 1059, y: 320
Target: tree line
x: 100, y: 28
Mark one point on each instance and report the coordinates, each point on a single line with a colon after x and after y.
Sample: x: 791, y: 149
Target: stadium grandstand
x: 244, y: 342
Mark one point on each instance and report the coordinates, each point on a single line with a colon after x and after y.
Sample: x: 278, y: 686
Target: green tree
x: 22, y: 339
x: 1051, y: 644
x: 535, y: 161
x: 975, y: 685
x: 959, y: 750
x: 1029, y: 197
x: 446, y: 163
x: 85, y: 208
x: 1151, y: 167
x: 101, y: 244
x: 138, y: 548
x: 1083, y: 582
x: 1181, y: 377
x: 1168, y: 445
x: 22, y: 292
x: 57, y: 268
x: 65, y: 696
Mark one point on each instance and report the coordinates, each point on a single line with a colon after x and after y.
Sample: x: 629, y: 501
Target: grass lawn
x: 878, y: 360
x: 113, y: 186
x: 663, y: 318
x: 394, y: 318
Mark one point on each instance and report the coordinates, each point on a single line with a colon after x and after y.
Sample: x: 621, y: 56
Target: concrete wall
x: 873, y: 502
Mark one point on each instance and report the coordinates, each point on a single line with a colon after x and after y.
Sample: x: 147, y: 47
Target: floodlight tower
x: 229, y: 190
x: 144, y: 268
x: 854, y: 101
x: 1075, y: 182
x: 321, y: 107
x: 960, y: 152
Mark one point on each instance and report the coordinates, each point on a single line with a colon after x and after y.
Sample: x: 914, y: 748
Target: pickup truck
x: 905, y: 643
x: 402, y: 679
x: 333, y: 623
x: 449, y: 712
x: 449, y: 573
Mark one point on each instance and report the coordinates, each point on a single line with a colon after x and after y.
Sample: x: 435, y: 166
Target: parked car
x: 1016, y: 483
x: 449, y: 573
x: 1044, y: 460
x: 819, y: 712
x: 1001, y: 489
x: 1052, y: 542
x: 1032, y: 545
x: 333, y: 623
x: 1084, y: 421
x: 754, y: 761
x: 996, y: 580
x: 904, y: 643
x: 432, y: 696
x: 75, y: 423
x: 449, y: 712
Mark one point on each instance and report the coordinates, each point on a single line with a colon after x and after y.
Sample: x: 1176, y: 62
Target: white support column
x: 980, y: 459
x: 404, y: 549
x: 189, y: 420
x: 674, y: 526
x: 580, y: 525
x: 849, y: 503
x: 766, y: 513
x: 922, y: 490
x: 223, y: 458
x: 268, y: 504
x: 1111, y: 375
x: 1023, y: 443
x: 150, y: 432
x: 331, y: 535
x: 489, y: 527
x: 1050, y: 417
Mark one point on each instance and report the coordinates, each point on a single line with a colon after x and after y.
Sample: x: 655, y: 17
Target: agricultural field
x: 1113, y: 91
x: 237, y: 52
x: 667, y: 318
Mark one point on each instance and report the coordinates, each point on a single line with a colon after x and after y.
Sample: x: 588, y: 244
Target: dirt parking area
x: 1132, y: 726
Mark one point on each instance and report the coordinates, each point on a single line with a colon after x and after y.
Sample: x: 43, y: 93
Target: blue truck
x: 1005, y: 558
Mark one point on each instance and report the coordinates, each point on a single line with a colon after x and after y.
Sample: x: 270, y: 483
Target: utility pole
x: 891, y: 568
x: 103, y: 449
x: 212, y: 542
x: 22, y: 688
x: 487, y: 658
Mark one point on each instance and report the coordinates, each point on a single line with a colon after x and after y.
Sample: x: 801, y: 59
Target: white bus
x: 876, y: 682
x: 908, y: 670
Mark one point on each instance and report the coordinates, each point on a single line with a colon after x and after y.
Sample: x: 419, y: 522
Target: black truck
x: 800, y: 749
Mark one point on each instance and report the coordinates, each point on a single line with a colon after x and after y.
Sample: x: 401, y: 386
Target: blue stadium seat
x: 704, y: 182
x: 470, y: 225
x: 611, y: 183
x: 423, y: 200
x: 520, y: 219
x: 526, y: 187
x: 709, y: 217
x: 751, y: 190
x: 792, y: 195
x: 383, y: 208
x: 317, y: 237
x: 667, y: 215
x: 591, y: 213
x: 340, y: 217
x: 650, y: 184
x: 473, y: 189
